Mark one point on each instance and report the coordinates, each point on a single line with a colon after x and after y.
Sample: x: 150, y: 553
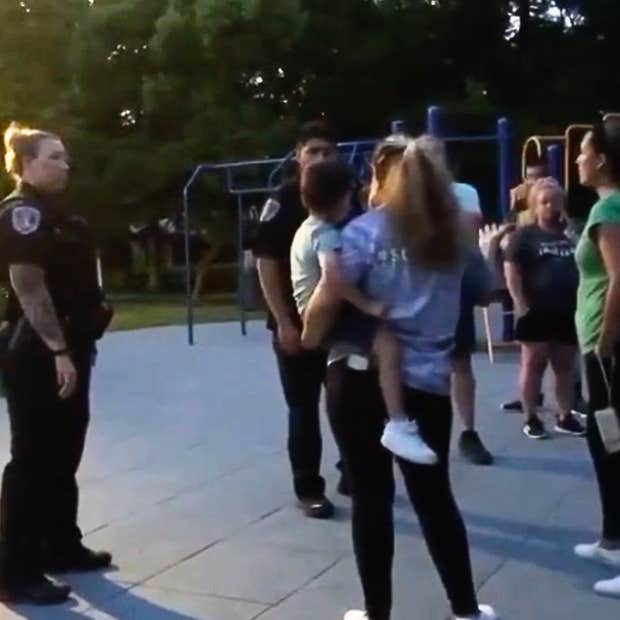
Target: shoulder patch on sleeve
x: 270, y: 210
x: 25, y: 220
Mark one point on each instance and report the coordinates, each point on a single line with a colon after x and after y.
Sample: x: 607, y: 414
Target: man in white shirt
x: 475, y: 289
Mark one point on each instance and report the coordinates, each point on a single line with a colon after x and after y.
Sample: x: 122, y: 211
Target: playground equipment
x: 559, y: 150
x: 358, y: 153
x: 502, y: 138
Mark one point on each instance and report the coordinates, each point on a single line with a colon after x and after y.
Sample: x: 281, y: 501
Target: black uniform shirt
x: 282, y: 215
x: 34, y: 231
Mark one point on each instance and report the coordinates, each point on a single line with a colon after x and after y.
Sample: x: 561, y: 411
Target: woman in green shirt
x: 598, y: 325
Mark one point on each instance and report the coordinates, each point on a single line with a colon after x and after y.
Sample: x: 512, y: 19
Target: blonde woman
x: 542, y: 279
x: 56, y: 311
x: 408, y: 253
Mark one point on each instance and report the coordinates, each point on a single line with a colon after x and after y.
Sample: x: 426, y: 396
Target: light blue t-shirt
x: 424, y: 303
x: 314, y: 239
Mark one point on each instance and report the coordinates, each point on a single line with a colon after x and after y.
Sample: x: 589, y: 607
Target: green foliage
x: 143, y: 90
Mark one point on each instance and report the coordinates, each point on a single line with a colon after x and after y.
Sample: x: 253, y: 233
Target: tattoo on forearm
x: 28, y: 281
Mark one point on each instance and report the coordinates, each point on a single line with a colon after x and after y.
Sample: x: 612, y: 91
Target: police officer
x: 56, y: 312
x: 302, y: 372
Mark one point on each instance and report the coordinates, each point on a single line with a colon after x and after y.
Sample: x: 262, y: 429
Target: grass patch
x: 140, y: 311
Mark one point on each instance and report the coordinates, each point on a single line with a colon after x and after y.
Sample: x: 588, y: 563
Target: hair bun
x: 12, y: 133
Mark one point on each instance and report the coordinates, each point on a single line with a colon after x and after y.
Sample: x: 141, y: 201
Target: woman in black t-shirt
x: 542, y: 278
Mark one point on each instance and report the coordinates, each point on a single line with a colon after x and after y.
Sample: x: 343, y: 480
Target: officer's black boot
x: 77, y: 559
x: 35, y: 591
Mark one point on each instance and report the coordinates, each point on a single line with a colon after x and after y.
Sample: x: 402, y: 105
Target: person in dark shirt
x: 302, y: 372
x: 56, y: 311
x: 542, y: 278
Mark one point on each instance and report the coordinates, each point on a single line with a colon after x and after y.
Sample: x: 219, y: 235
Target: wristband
x: 60, y: 352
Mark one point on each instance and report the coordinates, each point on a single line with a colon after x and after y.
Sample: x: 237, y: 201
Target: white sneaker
x: 596, y: 553
x: 486, y: 613
x: 611, y: 587
x: 355, y: 614
x: 403, y: 439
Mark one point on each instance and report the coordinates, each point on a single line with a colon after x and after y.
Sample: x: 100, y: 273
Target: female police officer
x: 407, y: 254
x: 56, y: 311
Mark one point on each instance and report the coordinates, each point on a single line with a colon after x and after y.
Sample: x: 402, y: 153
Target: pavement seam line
x: 302, y: 586
x: 527, y: 537
x: 142, y: 582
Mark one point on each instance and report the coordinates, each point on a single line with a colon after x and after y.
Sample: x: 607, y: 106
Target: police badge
x: 25, y: 220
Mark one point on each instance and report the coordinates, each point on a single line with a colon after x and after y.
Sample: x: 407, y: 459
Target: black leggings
x: 607, y: 466
x: 358, y: 416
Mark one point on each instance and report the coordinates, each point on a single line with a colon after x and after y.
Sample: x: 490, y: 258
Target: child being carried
x: 326, y: 189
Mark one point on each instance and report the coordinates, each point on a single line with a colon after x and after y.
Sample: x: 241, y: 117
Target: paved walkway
x: 186, y: 481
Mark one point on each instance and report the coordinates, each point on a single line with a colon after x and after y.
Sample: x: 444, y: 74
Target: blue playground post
x: 434, y: 121
x: 502, y: 137
x: 555, y: 162
x: 505, y: 166
x: 397, y: 127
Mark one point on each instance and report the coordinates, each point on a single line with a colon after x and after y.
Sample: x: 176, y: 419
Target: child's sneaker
x: 597, y: 553
x: 404, y: 440
x: 611, y: 587
x: 486, y: 613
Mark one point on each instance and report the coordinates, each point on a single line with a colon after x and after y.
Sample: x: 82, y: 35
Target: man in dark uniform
x: 302, y: 372
x: 56, y: 311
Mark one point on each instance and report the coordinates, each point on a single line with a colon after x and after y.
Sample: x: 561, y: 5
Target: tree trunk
x: 525, y: 7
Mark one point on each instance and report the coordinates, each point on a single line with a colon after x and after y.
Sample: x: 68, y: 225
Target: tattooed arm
x: 28, y: 281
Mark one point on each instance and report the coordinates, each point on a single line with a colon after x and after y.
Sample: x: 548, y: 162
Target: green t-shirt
x: 593, y: 279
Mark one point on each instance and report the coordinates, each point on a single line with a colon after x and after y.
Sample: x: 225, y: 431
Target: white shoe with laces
x: 355, y: 614
x: 596, y: 553
x: 610, y: 587
x: 486, y: 613
x: 403, y: 439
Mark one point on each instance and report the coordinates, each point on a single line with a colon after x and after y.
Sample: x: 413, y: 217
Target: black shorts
x: 542, y: 326
x: 465, y: 337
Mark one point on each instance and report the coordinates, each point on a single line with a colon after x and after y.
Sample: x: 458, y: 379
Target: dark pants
x: 302, y: 377
x: 607, y: 466
x: 39, y: 502
x: 358, y: 416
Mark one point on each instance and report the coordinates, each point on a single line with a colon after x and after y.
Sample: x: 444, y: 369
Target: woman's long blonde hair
x: 419, y: 196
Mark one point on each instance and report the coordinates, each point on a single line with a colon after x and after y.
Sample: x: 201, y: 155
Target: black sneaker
x: 343, y: 486
x: 515, y: 406
x: 570, y: 426
x: 581, y: 409
x: 319, y: 508
x: 79, y: 559
x: 41, y: 591
x: 473, y: 450
x: 535, y: 429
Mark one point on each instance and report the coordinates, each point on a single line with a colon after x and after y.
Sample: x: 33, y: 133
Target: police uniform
x: 39, y: 504
x: 303, y: 374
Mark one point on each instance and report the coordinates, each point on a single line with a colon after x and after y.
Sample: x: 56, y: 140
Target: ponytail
x: 423, y: 205
x: 20, y: 142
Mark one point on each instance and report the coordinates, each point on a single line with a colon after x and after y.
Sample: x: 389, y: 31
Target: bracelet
x: 60, y: 352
